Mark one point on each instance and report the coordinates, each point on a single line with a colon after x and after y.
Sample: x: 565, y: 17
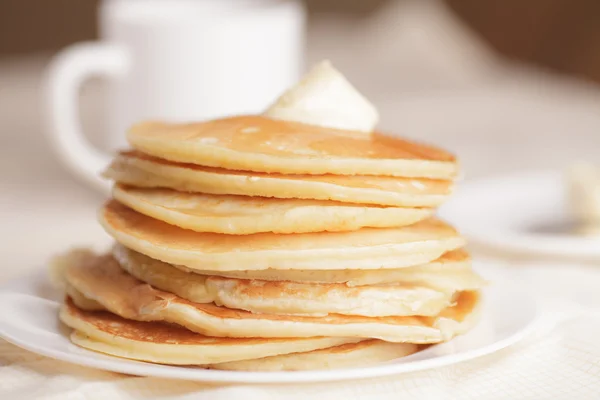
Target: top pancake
x: 257, y: 143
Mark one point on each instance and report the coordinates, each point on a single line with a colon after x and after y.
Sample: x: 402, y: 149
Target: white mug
x: 177, y: 60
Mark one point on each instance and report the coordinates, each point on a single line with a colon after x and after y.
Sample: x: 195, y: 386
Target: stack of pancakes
x: 250, y: 243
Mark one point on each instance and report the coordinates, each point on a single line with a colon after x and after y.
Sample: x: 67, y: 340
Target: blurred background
x: 562, y: 35
x: 510, y: 86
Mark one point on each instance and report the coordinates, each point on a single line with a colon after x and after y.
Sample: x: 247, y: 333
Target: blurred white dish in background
x: 325, y: 97
x: 527, y: 213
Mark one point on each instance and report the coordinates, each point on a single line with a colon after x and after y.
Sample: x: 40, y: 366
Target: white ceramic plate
x: 30, y: 307
x: 524, y: 213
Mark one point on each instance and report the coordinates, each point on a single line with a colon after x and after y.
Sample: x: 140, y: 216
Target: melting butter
x: 584, y: 195
x: 324, y: 97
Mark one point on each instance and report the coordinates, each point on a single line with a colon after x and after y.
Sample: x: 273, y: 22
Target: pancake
x: 286, y: 297
x: 170, y: 344
x: 138, y: 169
x: 360, y: 354
x: 101, y: 279
x: 451, y: 272
x: 367, y: 248
x: 242, y: 215
x: 321, y: 299
x: 122, y: 343
x: 58, y: 264
x: 258, y: 143
x: 81, y: 301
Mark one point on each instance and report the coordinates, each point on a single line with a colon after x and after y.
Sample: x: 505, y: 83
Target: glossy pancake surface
x: 286, y: 297
x: 138, y: 169
x: 367, y: 248
x: 242, y: 215
x: 258, y: 143
x: 171, y: 344
x: 101, y: 279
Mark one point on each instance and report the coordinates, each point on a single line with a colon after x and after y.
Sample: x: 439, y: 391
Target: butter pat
x: 324, y: 97
x: 584, y: 193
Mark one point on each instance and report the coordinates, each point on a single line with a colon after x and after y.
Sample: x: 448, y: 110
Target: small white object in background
x: 584, y: 195
x: 325, y: 97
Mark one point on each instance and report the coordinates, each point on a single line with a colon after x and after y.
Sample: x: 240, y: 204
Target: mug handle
x: 65, y: 75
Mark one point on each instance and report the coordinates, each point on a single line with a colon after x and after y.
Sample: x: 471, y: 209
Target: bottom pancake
x: 172, y: 344
x: 159, y: 343
x: 348, y: 355
x: 360, y: 354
